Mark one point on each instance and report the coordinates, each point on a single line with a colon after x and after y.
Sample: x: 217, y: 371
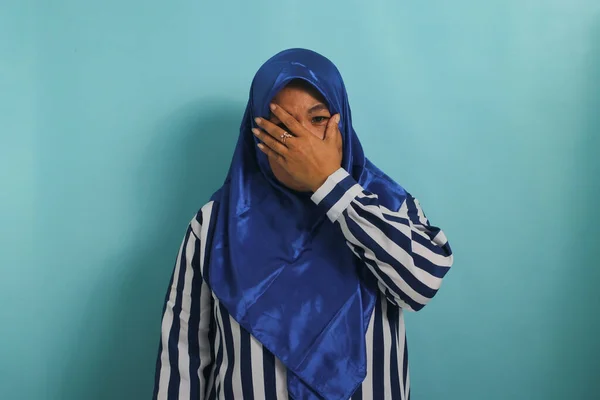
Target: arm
x: 408, y: 256
x: 184, y: 353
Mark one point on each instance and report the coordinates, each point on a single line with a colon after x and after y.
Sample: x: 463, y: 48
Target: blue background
x: 118, y: 120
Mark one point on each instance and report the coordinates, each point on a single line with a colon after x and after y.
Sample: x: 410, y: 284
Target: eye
x: 318, y: 120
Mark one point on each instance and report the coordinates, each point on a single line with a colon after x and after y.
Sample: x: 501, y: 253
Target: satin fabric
x: 278, y: 265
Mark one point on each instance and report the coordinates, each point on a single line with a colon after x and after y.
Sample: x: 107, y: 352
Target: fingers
x: 270, y: 153
x: 296, y: 128
x: 273, y: 130
x: 270, y: 142
x: 332, y: 132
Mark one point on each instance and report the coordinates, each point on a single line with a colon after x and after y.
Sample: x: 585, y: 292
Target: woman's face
x: 307, y: 105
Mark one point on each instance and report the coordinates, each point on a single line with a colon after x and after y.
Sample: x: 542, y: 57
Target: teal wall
x: 118, y: 119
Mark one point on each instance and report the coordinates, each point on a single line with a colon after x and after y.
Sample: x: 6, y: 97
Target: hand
x: 308, y: 159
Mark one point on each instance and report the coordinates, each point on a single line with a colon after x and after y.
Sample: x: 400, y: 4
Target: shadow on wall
x: 590, y: 217
x: 577, y: 301
x: 186, y: 163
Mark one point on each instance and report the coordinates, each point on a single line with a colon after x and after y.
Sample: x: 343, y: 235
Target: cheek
x: 283, y: 176
x: 277, y: 169
x: 272, y: 164
x: 318, y: 131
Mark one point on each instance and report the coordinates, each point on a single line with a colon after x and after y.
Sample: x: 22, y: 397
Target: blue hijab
x: 281, y: 269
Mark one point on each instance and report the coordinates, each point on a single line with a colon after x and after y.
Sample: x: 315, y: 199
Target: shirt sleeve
x: 408, y: 256
x: 184, y: 353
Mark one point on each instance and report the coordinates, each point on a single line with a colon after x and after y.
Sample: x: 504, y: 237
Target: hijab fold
x: 281, y: 269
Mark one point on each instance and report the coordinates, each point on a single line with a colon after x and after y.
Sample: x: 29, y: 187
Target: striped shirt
x: 205, y: 354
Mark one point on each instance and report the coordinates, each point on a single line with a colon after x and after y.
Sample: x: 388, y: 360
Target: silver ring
x: 285, y: 136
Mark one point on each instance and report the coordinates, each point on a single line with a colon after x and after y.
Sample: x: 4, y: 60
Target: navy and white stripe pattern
x: 205, y: 354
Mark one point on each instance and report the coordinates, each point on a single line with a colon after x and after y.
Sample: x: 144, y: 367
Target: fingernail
x: 273, y: 107
x: 255, y: 131
x: 336, y: 119
x: 260, y: 146
x: 257, y: 120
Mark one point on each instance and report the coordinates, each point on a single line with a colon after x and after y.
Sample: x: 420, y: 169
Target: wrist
x: 336, y: 194
x: 321, y: 180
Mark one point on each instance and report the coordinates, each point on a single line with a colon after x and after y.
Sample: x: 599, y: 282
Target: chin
x: 289, y: 182
x: 294, y: 186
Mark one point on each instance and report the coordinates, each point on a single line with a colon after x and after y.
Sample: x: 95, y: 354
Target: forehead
x: 298, y: 93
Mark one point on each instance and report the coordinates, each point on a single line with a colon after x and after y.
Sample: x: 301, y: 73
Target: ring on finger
x: 285, y: 136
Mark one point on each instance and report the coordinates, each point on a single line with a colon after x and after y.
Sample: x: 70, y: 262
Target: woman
x: 292, y: 281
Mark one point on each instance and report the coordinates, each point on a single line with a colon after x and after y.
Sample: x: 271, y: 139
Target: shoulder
x: 381, y: 176
x: 204, y: 215
x: 390, y: 192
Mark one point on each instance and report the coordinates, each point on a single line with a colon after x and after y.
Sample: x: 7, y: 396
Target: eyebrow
x: 317, y: 107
